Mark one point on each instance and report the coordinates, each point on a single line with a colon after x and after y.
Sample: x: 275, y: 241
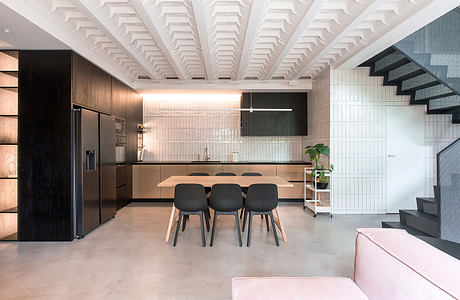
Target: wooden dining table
x: 209, y: 181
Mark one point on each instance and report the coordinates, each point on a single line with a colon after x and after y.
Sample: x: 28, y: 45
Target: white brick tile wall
x: 180, y: 126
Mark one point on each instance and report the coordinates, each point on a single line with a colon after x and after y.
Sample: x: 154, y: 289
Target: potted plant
x: 319, y: 170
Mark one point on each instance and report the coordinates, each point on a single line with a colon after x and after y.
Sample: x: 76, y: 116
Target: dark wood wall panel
x: 45, y: 212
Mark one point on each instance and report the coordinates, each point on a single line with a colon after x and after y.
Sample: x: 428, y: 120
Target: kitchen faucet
x: 206, y: 157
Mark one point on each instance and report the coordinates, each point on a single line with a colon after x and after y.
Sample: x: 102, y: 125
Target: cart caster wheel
x: 331, y: 216
x: 304, y: 207
x: 314, y: 216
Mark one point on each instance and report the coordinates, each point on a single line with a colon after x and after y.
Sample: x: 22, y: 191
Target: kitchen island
x: 147, y: 175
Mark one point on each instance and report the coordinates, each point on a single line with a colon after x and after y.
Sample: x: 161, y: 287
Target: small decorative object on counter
x: 235, y: 156
x: 140, y: 128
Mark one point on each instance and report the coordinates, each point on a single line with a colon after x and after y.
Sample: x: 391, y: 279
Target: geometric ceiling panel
x: 227, y: 39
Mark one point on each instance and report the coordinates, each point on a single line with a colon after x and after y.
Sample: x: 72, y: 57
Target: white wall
x: 319, y: 110
x: 358, y: 140
x: 176, y: 130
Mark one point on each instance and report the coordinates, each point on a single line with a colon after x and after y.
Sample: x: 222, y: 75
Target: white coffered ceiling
x: 194, y: 41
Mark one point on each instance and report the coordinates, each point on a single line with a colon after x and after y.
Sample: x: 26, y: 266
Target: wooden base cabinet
x: 145, y: 178
x: 167, y: 171
x: 145, y: 181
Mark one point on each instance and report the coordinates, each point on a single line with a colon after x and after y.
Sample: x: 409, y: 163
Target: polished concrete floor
x: 127, y: 259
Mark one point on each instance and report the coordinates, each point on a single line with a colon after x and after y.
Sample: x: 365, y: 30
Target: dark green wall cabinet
x: 274, y: 123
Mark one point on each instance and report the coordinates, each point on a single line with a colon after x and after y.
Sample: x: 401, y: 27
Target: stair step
x: 427, y: 205
x: 404, y: 72
x: 418, y: 82
x: 421, y: 221
x: 443, y: 105
x: 391, y: 61
x: 433, y: 92
x: 456, y: 117
x: 370, y: 62
x: 398, y: 225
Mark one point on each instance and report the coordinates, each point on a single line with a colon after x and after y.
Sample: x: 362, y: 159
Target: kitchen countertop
x: 223, y: 163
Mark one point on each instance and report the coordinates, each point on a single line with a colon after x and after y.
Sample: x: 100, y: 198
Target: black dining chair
x: 261, y: 199
x: 190, y: 199
x: 225, y: 174
x: 226, y: 199
x: 245, y: 189
x: 207, y: 191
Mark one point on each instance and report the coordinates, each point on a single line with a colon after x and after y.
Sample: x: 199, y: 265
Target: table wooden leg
x: 279, y: 223
x: 170, y: 224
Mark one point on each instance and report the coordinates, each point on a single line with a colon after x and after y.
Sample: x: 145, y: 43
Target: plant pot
x: 321, y: 185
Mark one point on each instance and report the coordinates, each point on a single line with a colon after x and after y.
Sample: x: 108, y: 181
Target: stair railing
x: 448, y: 177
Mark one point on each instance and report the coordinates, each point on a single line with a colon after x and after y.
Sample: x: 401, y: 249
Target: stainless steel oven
x: 120, y: 141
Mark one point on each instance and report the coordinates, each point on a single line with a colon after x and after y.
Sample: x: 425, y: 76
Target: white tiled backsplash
x: 180, y: 126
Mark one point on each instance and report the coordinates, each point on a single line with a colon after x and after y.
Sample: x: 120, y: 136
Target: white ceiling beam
x: 45, y: 23
x: 427, y: 14
x: 94, y: 13
x: 204, y: 30
x: 151, y: 23
x: 370, y: 9
x: 303, y: 25
x: 226, y: 85
x: 258, y: 10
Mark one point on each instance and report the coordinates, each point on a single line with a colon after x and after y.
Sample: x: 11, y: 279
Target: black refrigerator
x: 93, y: 170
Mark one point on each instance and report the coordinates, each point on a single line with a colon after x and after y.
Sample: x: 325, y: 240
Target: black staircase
x: 439, y: 216
x: 426, y: 66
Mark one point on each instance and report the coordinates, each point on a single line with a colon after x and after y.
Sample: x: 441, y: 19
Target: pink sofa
x: 389, y: 264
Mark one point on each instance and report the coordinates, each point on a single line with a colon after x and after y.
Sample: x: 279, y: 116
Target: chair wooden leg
x: 177, y: 229
x: 274, y: 229
x: 266, y: 221
x: 213, y: 228
x: 203, y: 238
x: 237, y: 223
x: 249, y: 228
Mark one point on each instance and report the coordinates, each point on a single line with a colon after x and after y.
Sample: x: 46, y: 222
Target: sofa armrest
x: 392, y: 264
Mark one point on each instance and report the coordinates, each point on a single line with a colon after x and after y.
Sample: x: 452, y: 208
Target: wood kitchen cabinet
x: 167, y: 171
x: 119, y: 95
x: 265, y: 170
x: 210, y: 169
x: 91, y: 86
x: 290, y: 172
x: 145, y: 181
x: 81, y: 81
x: 101, y: 90
x: 237, y: 169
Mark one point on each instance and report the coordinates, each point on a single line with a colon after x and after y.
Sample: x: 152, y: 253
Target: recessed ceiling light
x: 7, y: 30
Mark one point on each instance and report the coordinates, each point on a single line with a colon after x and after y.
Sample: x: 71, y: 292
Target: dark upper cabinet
x: 81, y: 81
x: 119, y: 95
x: 274, y: 123
x: 134, y: 116
x: 101, y: 90
x: 91, y: 86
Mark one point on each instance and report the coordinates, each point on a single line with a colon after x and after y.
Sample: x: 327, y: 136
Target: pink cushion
x: 266, y: 288
x: 392, y: 264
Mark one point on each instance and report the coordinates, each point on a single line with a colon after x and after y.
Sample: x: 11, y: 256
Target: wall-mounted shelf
x: 11, y: 237
x: 9, y: 210
x: 8, y: 145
